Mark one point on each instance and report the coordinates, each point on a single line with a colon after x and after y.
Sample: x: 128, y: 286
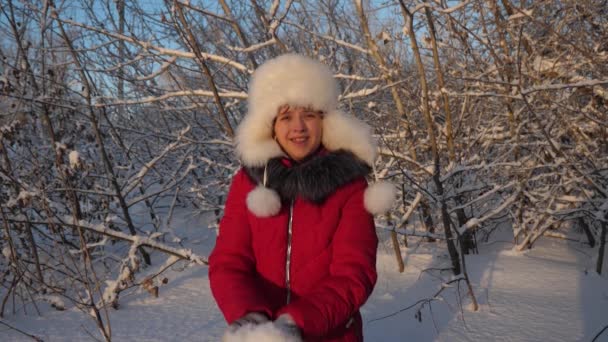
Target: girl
x: 297, y: 244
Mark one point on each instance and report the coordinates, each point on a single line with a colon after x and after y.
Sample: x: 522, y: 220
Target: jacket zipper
x: 288, y: 257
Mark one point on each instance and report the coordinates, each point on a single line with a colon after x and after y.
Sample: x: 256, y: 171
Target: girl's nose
x: 298, y: 123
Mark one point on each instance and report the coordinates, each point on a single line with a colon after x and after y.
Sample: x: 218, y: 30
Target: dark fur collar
x: 314, y: 179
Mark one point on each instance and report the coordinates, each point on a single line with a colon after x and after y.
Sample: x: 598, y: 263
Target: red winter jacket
x: 332, y: 267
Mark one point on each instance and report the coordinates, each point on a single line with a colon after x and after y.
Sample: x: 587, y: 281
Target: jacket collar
x: 314, y: 178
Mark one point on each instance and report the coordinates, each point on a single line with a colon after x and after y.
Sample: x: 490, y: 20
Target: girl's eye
x: 311, y: 115
x: 284, y: 118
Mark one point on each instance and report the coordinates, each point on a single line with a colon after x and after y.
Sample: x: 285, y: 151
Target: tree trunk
x: 600, y: 253
x: 409, y: 18
x: 585, y: 227
x: 380, y: 59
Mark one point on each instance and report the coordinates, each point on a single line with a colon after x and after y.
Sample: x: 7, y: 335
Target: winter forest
x: 116, y: 127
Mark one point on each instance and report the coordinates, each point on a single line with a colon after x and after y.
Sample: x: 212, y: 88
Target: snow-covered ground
x: 549, y: 293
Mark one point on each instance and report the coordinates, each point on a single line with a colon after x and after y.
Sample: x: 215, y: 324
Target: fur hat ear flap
x: 263, y: 202
x: 379, y: 197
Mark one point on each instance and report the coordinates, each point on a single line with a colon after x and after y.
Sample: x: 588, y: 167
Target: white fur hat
x: 300, y: 81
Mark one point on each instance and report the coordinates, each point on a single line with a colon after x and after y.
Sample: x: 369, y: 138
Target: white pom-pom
x: 263, y: 202
x: 379, y: 197
x: 266, y: 332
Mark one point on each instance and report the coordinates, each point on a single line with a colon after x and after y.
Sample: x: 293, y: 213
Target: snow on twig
x: 410, y: 210
x: 128, y: 268
x: 254, y: 47
x: 180, y: 93
x: 537, y: 233
x: 483, y: 165
x: 131, y: 263
x: 126, y: 278
x: 522, y: 14
x: 485, y: 195
x: 360, y: 93
x: 171, y: 185
x: 215, y: 163
x: 101, y: 228
x: 391, y: 153
x: 482, y: 94
x: 275, y: 22
x: 333, y: 39
x: 586, y: 83
x: 474, y: 222
x: 149, y: 165
x: 453, y: 8
x: 357, y: 78
x: 160, y: 71
x: 368, y: 91
x: 520, y: 96
x: 205, y: 12
x: 448, y: 10
x: 159, y: 49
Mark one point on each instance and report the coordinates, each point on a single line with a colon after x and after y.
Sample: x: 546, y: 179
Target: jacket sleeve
x: 352, y: 273
x: 232, y: 273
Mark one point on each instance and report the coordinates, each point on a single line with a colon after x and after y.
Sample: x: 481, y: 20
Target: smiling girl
x: 297, y: 245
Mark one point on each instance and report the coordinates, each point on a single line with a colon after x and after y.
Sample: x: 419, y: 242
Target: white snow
x: 74, y: 158
x: 23, y: 198
x: 548, y: 293
x: 59, y: 147
x: 266, y: 332
x: 360, y: 93
x: 57, y: 302
x: 521, y: 14
x: 6, y: 252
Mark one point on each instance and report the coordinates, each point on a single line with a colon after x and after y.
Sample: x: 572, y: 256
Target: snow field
x: 549, y: 293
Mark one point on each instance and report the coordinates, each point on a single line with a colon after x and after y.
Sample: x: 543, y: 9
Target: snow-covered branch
x: 182, y: 253
x: 360, y: 93
x: 486, y: 195
x: 163, y: 68
x: 474, y: 222
x: 161, y: 50
x: 101, y: 102
x: 255, y: 47
x: 332, y: 39
x: 586, y: 83
x: 136, y: 180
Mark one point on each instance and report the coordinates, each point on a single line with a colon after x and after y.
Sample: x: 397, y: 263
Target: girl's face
x: 298, y: 131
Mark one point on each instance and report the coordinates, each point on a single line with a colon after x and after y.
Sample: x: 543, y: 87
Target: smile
x: 299, y: 140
